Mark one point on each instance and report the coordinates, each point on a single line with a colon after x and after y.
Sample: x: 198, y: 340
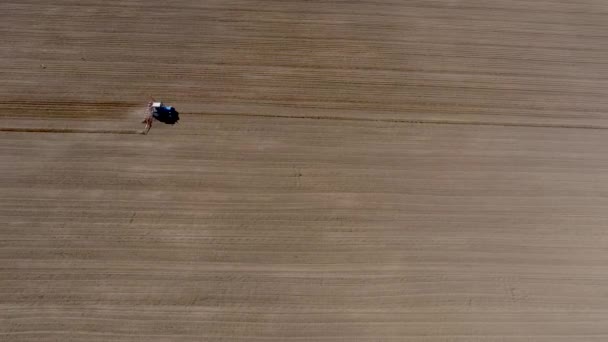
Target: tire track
x: 410, y: 121
x: 68, y: 130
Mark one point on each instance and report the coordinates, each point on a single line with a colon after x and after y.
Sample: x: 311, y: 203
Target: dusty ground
x: 343, y: 170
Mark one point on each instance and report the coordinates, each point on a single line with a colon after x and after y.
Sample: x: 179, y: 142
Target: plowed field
x: 342, y: 171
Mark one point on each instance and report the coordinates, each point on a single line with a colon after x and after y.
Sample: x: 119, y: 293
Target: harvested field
x: 342, y: 171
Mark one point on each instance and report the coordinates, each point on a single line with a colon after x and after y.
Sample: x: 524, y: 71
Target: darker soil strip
x: 68, y: 130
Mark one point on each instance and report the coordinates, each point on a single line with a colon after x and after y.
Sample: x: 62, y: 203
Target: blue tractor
x: 165, y: 114
x: 158, y: 111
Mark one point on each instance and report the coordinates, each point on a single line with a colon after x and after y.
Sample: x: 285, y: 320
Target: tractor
x: 158, y: 111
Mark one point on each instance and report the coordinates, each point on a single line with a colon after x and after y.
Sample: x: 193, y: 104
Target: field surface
x: 374, y: 170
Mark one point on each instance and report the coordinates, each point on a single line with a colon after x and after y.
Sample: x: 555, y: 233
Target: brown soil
x: 342, y: 171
